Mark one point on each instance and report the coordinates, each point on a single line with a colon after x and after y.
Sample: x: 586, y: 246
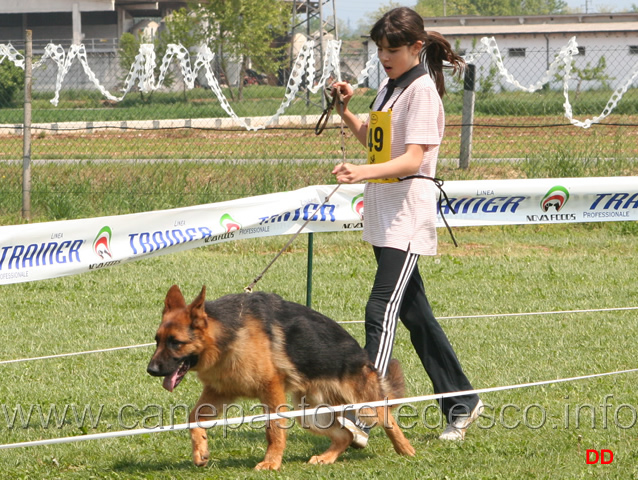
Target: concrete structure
x: 528, y: 44
x: 96, y: 23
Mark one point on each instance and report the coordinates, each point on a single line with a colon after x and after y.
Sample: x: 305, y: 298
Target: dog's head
x: 179, y: 338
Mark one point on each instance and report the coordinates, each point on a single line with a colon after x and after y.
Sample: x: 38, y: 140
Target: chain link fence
x: 177, y: 146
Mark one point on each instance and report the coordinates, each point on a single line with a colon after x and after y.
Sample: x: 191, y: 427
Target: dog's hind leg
x: 340, y: 441
x: 208, y: 407
x: 274, y: 398
x: 323, y: 424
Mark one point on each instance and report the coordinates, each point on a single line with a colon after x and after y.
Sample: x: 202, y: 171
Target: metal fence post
x: 468, y: 116
x: 26, y: 131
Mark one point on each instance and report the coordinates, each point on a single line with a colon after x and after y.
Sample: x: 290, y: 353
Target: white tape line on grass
x: 492, y: 315
x: 563, y: 312
x: 297, y: 413
x: 525, y: 314
x: 62, y: 355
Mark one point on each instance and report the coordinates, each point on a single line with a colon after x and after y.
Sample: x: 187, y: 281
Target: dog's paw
x: 201, y: 455
x: 200, y: 458
x: 406, y: 449
x: 321, y: 460
x: 268, y: 465
x: 199, y: 442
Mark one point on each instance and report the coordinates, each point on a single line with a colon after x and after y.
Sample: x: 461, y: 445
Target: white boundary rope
x: 459, y: 317
x: 299, y: 413
x: 74, y: 354
x: 524, y: 314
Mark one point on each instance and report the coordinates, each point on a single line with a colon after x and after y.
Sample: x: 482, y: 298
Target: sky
x: 353, y: 10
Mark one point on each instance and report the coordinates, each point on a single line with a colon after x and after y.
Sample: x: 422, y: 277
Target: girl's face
x: 398, y: 60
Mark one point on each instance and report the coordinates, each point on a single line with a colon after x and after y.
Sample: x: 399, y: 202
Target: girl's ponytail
x: 435, y: 51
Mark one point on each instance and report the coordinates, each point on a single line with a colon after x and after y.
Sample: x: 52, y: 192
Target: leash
x: 438, y: 182
x: 319, y: 128
x: 331, y: 101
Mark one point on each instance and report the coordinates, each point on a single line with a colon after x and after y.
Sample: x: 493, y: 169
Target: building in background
x: 528, y: 44
x: 96, y: 23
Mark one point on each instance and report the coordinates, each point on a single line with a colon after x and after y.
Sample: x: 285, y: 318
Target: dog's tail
x: 394, y: 381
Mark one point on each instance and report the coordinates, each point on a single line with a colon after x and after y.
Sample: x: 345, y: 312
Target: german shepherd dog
x: 258, y: 345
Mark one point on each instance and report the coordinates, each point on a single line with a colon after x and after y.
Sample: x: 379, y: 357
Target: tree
x: 596, y: 73
x: 183, y: 27
x: 11, y: 82
x: 244, y: 31
x: 438, y: 8
x: 365, y: 24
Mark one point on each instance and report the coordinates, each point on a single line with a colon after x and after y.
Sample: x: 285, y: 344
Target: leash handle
x: 331, y: 100
x: 325, y: 115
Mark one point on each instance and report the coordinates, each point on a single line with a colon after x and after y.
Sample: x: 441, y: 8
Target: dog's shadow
x: 227, y: 458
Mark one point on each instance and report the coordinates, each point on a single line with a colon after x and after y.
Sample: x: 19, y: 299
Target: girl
x: 402, y: 135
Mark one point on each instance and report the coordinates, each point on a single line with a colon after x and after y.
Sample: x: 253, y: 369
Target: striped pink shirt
x: 402, y: 215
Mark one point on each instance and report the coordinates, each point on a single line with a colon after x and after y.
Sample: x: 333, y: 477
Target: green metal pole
x: 309, y: 271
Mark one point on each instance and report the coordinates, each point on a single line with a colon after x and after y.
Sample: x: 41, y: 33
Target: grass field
x: 87, y: 189
x: 535, y: 432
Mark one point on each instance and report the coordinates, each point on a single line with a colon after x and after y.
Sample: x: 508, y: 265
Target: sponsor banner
x: 52, y: 249
x: 558, y: 200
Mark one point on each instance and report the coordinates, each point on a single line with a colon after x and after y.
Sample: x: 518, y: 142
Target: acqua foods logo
x: 228, y: 223
x: 556, y: 197
x: 357, y: 205
x: 102, y: 243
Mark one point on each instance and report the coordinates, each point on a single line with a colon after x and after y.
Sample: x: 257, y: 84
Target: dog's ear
x: 201, y: 298
x: 174, y: 299
x: 198, y: 313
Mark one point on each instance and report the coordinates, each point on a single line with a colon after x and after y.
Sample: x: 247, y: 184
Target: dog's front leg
x: 208, y: 407
x: 199, y: 441
x: 274, y: 398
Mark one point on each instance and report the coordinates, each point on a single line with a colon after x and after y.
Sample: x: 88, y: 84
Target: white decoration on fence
x: 304, y: 63
x: 142, y: 73
x: 563, y: 59
x: 371, y: 64
x: 611, y: 103
x: 7, y: 51
x: 142, y: 69
x: 489, y: 46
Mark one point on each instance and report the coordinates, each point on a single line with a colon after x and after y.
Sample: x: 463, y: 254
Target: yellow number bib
x: 380, y: 141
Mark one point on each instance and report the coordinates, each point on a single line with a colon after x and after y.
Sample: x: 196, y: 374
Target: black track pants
x: 398, y: 292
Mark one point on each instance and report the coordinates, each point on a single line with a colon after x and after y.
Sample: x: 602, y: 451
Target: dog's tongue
x: 171, y: 381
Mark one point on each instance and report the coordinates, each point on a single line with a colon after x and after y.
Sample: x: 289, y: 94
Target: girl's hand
x: 348, y: 173
x: 346, y: 91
